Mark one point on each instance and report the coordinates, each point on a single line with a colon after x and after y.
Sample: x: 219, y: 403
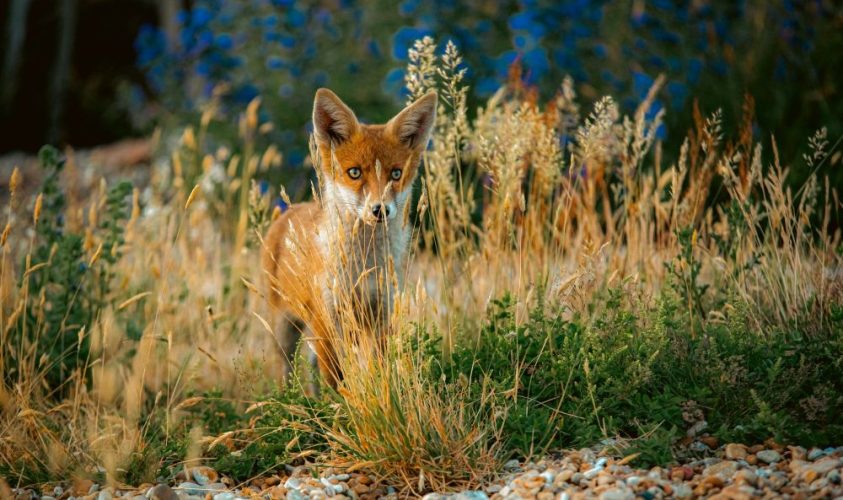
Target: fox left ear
x: 414, y: 124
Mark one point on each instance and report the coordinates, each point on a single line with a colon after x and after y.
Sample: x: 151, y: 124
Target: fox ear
x: 414, y: 124
x: 333, y: 121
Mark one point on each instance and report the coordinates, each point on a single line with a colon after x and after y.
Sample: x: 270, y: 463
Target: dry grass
x: 504, y: 207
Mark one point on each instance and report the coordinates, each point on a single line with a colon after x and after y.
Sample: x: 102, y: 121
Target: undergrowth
x: 566, y: 289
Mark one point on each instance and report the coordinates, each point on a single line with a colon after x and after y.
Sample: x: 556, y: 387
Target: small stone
x: 746, y: 476
x: 104, y: 495
x: 710, y: 441
x: 617, y: 494
x: 809, y: 476
x: 191, y: 488
x: 735, y: 451
x: 769, y: 456
x: 797, y: 453
x: 162, y: 492
x: 815, y: 454
x: 833, y: 477
x: 360, y: 489
x: 512, y: 465
x: 226, y: 495
x: 724, y: 469
x: 682, y: 490
x: 712, y: 482
x: 682, y: 473
x: 592, y: 473
x: 204, y: 475
x: 604, y: 479
x: 751, y: 459
x: 577, y: 478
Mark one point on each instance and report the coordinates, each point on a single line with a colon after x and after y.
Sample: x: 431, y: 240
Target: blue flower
x: 408, y: 7
x: 288, y: 41
x: 486, y: 86
x: 224, y: 41
x: 503, y: 62
x: 521, y: 21
x: 200, y: 16
x: 404, y: 39
x: 296, y: 18
x: 274, y: 63
x: 695, y: 67
x: 245, y: 93
x: 641, y: 84
x: 393, y: 83
x: 538, y: 64
x: 600, y: 50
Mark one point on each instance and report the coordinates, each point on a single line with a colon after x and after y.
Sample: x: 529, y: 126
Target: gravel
x: 733, y: 471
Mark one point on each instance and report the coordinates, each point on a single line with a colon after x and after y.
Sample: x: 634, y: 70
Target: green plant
x: 66, y: 284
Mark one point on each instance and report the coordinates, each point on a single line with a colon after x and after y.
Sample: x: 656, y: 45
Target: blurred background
x: 92, y: 72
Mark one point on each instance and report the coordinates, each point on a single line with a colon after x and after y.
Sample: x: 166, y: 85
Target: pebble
x: 735, y: 451
x: 162, y: 492
x: 733, y: 471
x: 769, y: 456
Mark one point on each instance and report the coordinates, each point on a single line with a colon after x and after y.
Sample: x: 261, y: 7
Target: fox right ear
x: 333, y: 121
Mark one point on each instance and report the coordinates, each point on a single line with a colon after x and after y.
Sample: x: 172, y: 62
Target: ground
x: 733, y: 471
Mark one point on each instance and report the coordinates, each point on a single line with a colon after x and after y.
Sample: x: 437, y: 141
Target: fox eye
x: 354, y: 172
x: 396, y: 174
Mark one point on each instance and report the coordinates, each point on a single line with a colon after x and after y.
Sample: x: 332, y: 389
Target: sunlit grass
x: 505, y: 207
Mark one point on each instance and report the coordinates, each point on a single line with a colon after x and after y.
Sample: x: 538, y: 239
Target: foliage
x: 69, y: 288
x: 715, y: 51
x: 641, y: 376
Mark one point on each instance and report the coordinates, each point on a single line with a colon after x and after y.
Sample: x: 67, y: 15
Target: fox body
x: 349, y: 239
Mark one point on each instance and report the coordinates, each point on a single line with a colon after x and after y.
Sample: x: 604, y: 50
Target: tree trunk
x: 61, y: 73
x: 16, y: 30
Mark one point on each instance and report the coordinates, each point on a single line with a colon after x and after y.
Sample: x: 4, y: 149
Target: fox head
x: 368, y: 170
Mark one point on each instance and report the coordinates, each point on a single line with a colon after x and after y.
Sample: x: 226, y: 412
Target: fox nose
x: 380, y: 212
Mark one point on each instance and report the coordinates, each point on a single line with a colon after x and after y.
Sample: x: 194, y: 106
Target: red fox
x: 353, y: 234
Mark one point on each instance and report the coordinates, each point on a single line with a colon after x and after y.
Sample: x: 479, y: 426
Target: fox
x: 356, y: 230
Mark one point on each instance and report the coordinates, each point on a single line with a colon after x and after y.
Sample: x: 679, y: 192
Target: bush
x: 643, y: 376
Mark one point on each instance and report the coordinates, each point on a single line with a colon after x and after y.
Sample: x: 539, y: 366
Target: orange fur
x: 314, y: 245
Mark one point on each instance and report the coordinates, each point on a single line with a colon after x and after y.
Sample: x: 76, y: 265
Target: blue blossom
x: 538, y: 64
x: 695, y: 67
x: 404, y: 39
x: 486, y: 86
x: 521, y: 21
x: 224, y: 41
x: 296, y: 18
x: 200, y: 16
x: 600, y: 50
x: 274, y: 63
x: 245, y: 93
x: 408, y: 7
x: 641, y: 83
x: 270, y: 21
